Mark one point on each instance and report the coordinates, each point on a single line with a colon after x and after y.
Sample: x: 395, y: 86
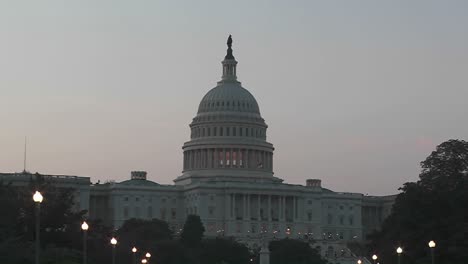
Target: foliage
x: 192, y: 233
x: 218, y: 250
x: 142, y: 234
x: 293, y: 251
x: 431, y: 209
x: 59, y: 221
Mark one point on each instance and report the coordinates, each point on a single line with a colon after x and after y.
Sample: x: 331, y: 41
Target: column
x: 216, y: 158
x: 269, y: 208
x: 244, y: 207
x: 234, y: 205
x: 258, y: 209
x: 248, y: 207
x: 294, y: 209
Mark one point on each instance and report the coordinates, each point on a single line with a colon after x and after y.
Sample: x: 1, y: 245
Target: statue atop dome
x: 229, y: 41
x: 229, y: 55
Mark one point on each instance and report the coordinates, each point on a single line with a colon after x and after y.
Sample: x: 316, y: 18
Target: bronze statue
x: 229, y: 41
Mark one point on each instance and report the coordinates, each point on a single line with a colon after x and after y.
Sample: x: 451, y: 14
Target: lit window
x: 234, y: 158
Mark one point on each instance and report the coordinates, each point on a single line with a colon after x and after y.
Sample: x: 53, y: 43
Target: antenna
x: 24, y: 161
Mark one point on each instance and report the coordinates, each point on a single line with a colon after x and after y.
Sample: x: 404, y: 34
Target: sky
x: 356, y: 93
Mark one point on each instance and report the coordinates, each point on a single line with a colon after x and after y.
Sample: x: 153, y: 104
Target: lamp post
x: 432, y: 245
x: 374, y: 258
x: 134, y: 250
x: 399, y: 250
x: 85, y: 227
x: 113, y: 241
x: 37, y: 198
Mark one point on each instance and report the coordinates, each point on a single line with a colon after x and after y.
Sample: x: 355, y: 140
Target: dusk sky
x: 355, y: 93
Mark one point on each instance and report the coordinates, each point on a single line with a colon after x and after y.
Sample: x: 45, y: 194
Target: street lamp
x: 399, y: 250
x: 374, y: 257
x: 134, y: 250
x: 144, y: 261
x: 37, y: 198
x: 359, y: 261
x: 113, y: 241
x: 84, y: 227
x: 148, y: 255
x: 432, y: 245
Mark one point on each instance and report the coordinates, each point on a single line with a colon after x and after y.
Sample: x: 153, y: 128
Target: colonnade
x: 263, y: 207
x: 212, y: 158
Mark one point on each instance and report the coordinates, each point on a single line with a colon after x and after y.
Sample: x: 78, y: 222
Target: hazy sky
x: 355, y: 93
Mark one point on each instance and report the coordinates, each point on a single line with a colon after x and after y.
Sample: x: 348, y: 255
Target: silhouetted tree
x: 218, y: 250
x: 434, y: 208
x: 293, y: 251
x: 192, y: 233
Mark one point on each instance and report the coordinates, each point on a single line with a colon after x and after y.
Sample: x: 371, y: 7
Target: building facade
x: 227, y: 179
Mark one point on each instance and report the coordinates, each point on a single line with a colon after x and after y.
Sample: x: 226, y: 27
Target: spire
x: 229, y: 63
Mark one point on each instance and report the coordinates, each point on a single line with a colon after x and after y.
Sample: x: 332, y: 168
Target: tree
x: 142, y: 234
x: 293, y: 251
x: 192, y: 233
x: 433, y: 208
x: 218, y: 250
x: 59, y: 220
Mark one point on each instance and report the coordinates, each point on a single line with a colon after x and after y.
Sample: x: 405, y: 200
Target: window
x: 173, y: 213
x: 137, y: 212
x: 234, y: 131
x: 214, y: 131
x: 163, y: 213
x: 221, y: 131
x: 163, y: 200
x: 209, y: 131
x: 240, y: 131
x: 211, y: 210
x: 351, y: 220
x: 341, y: 220
x: 309, y: 216
x: 228, y: 158
x: 211, y: 197
x: 341, y: 207
x: 126, y: 199
x: 150, y: 212
x: 137, y: 199
x: 234, y: 158
x: 125, y: 212
x: 228, y: 130
x: 330, y: 219
x: 221, y: 159
x: 309, y: 202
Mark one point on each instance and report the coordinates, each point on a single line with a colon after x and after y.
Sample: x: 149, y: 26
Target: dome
x: 230, y: 97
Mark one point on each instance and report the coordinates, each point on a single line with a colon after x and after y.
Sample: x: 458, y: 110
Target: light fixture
x: 432, y: 244
x: 399, y: 250
x: 134, y: 249
x: 113, y: 241
x: 84, y: 226
x: 37, y: 197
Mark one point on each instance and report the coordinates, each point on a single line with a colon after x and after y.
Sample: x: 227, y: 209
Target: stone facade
x: 228, y: 180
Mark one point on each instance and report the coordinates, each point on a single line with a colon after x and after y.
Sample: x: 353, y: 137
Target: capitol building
x: 228, y: 180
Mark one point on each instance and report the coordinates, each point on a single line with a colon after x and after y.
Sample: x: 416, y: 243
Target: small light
x: 399, y: 250
x: 432, y: 244
x: 359, y: 261
x: 84, y: 226
x: 144, y: 261
x: 134, y: 249
x: 37, y: 197
x: 113, y: 241
x: 148, y: 255
x: 374, y: 257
